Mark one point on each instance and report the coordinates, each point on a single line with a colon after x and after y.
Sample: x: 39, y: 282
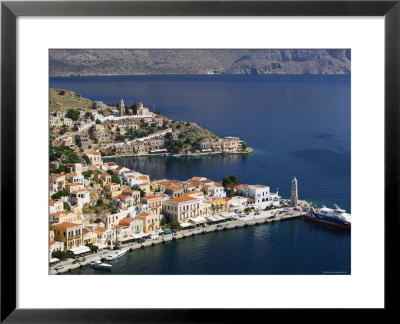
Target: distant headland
x: 96, y: 62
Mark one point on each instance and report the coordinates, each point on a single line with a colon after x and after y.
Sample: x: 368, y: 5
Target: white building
x: 237, y: 203
x: 80, y: 197
x: 261, y: 195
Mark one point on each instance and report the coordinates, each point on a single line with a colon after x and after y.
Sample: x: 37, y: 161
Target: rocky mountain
x: 87, y: 62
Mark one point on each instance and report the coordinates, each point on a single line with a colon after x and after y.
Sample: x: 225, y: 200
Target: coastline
x: 179, y: 154
x: 238, y: 222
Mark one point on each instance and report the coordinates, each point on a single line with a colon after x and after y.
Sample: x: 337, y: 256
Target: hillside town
x: 134, y: 131
x: 100, y: 205
x: 97, y: 205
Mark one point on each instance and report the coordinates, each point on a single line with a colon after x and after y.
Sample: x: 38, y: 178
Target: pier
x: 265, y: 217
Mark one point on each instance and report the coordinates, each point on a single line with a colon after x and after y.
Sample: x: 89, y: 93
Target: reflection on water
x: 181, y: 168
x: 289, y: 247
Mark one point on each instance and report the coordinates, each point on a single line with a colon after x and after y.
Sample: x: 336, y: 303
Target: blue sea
x: 298, y: 125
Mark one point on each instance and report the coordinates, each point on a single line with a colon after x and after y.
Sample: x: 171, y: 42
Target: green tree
x: 134, y: 108
x: 230, y: 182
x: 99, y: 202
x: 157, y: 112
x: 98, y: 121
x: 114, y: 177
x: 66, y: 206
x: 87, y: 160
x: 61, y: 255
x: 142, y: 193
x: 119, y: 138
x: 73, y: 114
x: 62, y: 92
x: 59, y: 194
x: 63, y: 129
x: 87, y: 174
x: 92, y: 247
x: 174, y: 225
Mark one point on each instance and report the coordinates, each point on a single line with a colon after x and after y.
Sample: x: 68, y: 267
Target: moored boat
x: 100, y: 265
x: 115, y: 255
x: 335, y: 217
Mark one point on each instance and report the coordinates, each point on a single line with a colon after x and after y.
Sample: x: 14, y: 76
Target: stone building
x: 294, y: 195
x: 121, y: 108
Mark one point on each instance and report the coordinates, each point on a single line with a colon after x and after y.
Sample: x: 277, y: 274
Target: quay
x: 265, y: 217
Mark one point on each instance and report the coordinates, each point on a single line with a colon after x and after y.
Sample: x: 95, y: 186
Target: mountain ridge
x: 88, y: 62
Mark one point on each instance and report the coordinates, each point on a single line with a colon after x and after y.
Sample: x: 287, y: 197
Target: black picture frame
x: 10, y: 10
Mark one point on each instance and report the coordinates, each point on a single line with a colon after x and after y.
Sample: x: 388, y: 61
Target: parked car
x: 219, y: 225
x: 59, y: 267
x: 76, y: 261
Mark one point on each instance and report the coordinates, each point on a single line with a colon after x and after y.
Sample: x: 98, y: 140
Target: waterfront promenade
x: 251, y: 219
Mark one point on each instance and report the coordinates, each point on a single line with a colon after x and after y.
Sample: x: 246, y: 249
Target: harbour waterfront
x: 293, y: 246
x: 298, y: 126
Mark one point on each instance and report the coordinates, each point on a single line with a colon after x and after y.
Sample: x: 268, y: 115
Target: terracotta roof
x: 143, y: 214
x: 84, y: 232
x: 181, y: 199
x: 197, y: 178
x: 56, y: 176
x: 172, y: 188
x: 81, y: 190
x: 126, y: 221
x: 241, y: 186
x: 66, y: 225
x: 52, y: 202
x: 122, y: 196
x: 100, y: 229
x: 63, y: 212
x: 143, y: 177
x: 53, y: 242
x: 110, y: 164
x: 74, y: 184
x: 128, y: 190
x: 151, y: 197
x: 111, y: 184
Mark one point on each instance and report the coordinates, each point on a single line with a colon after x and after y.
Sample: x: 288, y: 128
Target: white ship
x: 335, y: 217
x: 115, y: 255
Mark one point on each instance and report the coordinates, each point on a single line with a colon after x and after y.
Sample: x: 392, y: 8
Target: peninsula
x: 115, y: 129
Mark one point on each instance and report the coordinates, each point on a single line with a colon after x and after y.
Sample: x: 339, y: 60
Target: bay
x: 298, y: 125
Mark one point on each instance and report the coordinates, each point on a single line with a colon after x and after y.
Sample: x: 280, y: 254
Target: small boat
x: 115, y: 255
x: 99, y: 265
